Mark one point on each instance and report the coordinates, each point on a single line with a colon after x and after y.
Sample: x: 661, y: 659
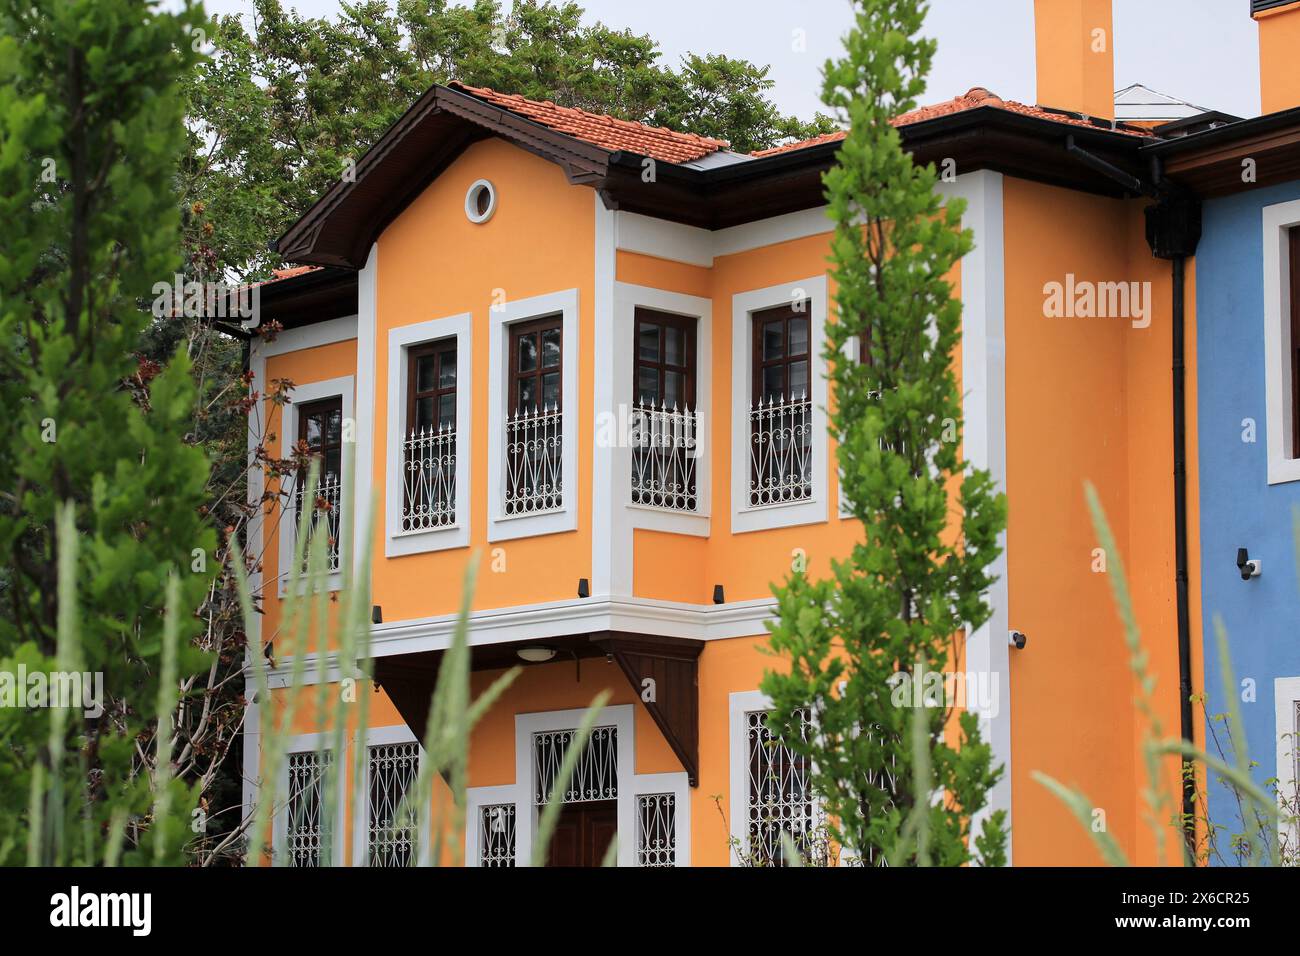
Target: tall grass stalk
x: 342, y: 705
x: 1155, y: 746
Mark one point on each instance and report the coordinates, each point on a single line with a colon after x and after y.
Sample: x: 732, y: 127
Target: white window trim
x: 630, y: 785
x: 843, y: 511
x: 304, y: 743
x: 627, y: 299
x: 1277, y: 341
x: 743, y: 306
x: 503, y: 527
x: 343, y: 388
x: 680, y: 788
x: 456, y: 535
x: 740, y: 703
x: 1286, y: 698
x: 476, y: 798
x: 377, y: 737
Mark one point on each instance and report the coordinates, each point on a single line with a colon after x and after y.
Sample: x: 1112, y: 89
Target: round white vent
x: 480, y: 201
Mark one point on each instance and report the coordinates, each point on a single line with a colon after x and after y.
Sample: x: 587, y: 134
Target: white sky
x: 1202, y: 51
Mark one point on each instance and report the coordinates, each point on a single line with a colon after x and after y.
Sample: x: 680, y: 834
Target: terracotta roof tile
x: 657, y: 142
x: 974, y: 98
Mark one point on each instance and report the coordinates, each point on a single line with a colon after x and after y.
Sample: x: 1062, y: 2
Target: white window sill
x: 785, y: 514
x: 650, y: 518
x: 333, y: 582
x: 533, y: 524
x: 419, y: 541
x: 1282, y: 470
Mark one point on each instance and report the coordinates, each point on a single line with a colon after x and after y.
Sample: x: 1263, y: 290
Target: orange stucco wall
x: 1075, y: 56
x: 1087, y: 400
x: 434, y: 263
x: 1279, y: 38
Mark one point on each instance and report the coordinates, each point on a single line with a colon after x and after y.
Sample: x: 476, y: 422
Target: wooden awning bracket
x: 664, y: 674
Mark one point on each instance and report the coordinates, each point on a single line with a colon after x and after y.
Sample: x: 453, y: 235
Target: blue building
x: 1247, y: 420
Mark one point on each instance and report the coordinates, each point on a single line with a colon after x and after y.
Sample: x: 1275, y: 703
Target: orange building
x: 510, y: 292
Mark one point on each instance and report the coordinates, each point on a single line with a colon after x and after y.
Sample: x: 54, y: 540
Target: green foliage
x: 286, y: 101
x: 90, y: 134
x: 930, y: 522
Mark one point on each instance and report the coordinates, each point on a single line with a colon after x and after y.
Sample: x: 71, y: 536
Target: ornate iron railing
x: 780, y: 799
x: 534, y: 461
x: 656, y: 829
x: 429, y: 479
x: 326, y: 515
x: 307, y: 832
x: 664, y: 453
x: 496, y: 836
x: 392, y: 835
x: 780, y: 451
x: 594, y: 778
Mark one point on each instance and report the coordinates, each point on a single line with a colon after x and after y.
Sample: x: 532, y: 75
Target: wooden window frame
x: 315, y: 407
x: 765, y: 317
x: 413, y: 393
x: 687, y: 325
x: 517, y: 331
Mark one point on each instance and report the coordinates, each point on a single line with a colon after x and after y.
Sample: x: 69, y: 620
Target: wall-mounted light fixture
x: 584, y: 588
x: 536, y: 655
x: 1248, y: 566
x: 376, y: 614
x: 718, y: 596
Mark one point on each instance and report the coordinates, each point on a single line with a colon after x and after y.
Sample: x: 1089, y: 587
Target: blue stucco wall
x: 1238, y: 506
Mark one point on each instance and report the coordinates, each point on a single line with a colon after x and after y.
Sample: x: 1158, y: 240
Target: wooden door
x: 583, y: 834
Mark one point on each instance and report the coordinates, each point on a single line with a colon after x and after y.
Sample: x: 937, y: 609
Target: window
x: 320, y: 431
x: 534, y: 426
x: 1293, y: 237
x: 392, y: 826
x: 664, y: 436
x: 780, y: 416
x: 778, y: 798
x: 656, y: 830
x: 594, y: 778
x: 307, y: 834
x: 496, y: 839
x: 1281, y: 251
x: 429, y: 447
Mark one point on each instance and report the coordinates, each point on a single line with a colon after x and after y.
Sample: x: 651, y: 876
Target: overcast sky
x: 1202, y: 51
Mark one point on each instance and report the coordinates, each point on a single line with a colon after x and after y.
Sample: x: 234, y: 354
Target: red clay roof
x: 657, y: 142
x: 976, y: 97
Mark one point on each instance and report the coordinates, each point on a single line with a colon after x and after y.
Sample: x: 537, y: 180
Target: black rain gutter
x: 1173, y: 231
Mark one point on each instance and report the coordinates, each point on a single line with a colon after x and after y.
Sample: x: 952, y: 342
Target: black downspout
x: 1173, y: 232
x: 1180, y: 543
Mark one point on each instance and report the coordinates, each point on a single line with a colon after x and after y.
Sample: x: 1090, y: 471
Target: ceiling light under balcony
x: 536, y: 655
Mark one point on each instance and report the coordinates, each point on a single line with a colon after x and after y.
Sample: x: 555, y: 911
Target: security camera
x: 1248, y: 566
x: 1018, y: 640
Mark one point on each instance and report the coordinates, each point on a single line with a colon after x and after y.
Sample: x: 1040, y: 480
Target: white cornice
x: 705, y: 622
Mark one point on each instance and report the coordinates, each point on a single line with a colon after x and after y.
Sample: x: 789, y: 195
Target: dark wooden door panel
x: 583, y: 834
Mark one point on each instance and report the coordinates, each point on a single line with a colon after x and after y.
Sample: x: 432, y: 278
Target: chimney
x: 1279, y: 39
x: 1074, y: 44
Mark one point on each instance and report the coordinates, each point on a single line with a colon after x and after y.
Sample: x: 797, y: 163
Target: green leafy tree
x: 286, y: 101
x: 91, y: 131
x: 930, y: 521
